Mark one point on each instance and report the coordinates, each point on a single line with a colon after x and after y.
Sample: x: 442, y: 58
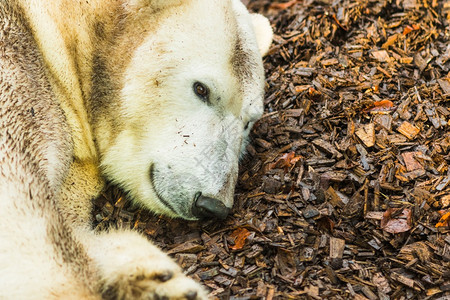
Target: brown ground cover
x: 344, y: 193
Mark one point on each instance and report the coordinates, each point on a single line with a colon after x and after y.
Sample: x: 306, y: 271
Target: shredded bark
x: 344, y: 192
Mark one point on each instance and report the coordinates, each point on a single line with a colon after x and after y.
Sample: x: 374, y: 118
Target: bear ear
x: 263, y: 31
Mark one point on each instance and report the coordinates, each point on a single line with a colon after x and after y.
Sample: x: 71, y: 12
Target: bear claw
x: 164, y: 276
x: 191, y: 295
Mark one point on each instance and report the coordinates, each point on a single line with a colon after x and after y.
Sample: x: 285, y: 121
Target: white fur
x: 263, y: 31
x: 195, y: 147
x: 53, y: 163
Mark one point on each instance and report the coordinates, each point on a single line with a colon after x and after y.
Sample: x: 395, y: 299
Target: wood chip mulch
x: 345, y: 191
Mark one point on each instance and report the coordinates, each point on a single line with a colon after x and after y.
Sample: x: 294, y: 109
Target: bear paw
x: 158, y: 285
x: 133, y: 268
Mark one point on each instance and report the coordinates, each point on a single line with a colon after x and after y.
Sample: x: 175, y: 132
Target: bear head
x: 189, y: 95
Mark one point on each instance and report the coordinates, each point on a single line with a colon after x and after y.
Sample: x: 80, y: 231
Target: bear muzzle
x: 209, y: 208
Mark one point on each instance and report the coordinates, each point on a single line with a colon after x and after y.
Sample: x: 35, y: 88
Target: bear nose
x: 206, y: 207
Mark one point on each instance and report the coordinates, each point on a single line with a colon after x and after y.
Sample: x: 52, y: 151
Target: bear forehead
x: 208, y: 39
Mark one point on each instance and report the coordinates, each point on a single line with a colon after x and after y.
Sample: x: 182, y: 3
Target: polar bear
x: 157, y: 96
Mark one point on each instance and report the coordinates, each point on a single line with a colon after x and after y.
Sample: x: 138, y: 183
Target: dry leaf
x: 287, y: 161
x: 445, y: 219
x: 240, y: 235
x: 407, y: 30
x: 396, y: 220
x: 381, y: 106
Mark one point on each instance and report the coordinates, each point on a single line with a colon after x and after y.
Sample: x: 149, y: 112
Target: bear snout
x: 209, y: 208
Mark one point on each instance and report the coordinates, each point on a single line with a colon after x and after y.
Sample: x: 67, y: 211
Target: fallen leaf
x: 381, y: 106
x: 445, y: 219
x: 396, y: 220
x: 407, y: 30
x: 287, y: 161
x: 240, y: 235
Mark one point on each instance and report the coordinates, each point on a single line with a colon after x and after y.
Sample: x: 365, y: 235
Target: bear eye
x: 246, y: 126
x: 201, y: 90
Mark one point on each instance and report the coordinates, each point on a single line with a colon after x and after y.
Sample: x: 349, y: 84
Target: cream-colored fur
x: 103, y: 90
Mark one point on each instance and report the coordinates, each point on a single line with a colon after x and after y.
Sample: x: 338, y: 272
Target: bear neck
x: 86, y: 47
x: 65, y: 32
